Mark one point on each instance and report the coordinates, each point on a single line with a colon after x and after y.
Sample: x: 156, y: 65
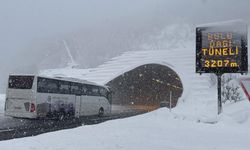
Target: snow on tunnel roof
x: 181, y: 60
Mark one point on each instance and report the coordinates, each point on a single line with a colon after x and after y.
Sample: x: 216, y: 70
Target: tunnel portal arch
x: 147, y: 87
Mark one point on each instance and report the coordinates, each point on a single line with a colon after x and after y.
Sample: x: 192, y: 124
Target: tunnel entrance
x: 147, y: 87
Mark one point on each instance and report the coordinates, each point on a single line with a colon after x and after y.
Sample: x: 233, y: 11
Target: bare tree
x: 230, y: 91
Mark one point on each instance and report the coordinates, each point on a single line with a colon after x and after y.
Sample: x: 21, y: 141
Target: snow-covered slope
x: 65, y: 72
x: 2, y: 102
x: 198, y: 98
x: 160, y: 130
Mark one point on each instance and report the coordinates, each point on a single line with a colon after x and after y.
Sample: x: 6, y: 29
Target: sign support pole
x: 170, y: 101
x: 219, y: 93
x: 222, y: 48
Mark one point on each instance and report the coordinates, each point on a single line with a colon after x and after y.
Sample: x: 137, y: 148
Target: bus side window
x: 103, y: 92
x: 41, y: 85
x: 75, y: 88
x: 64, y: 87
x: 51, y: 86
x: 84, y: 89
x: 95, y: 91
x: 47, y: 85
x: 109, y: 97
x: 89, y: 90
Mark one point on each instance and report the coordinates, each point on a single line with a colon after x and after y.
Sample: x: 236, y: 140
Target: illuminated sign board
x: 222, y: 48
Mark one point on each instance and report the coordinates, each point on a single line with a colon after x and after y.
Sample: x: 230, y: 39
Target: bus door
x: 85, y: 105
x: 78, y: 106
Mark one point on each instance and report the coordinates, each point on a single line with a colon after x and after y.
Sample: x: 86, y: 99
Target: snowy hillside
x: 2, y: 101
x: 199, y: 99
x: 181, y: 60
x: 193, y: 124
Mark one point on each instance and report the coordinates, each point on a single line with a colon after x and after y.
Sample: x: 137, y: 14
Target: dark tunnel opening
x: 147, y: 87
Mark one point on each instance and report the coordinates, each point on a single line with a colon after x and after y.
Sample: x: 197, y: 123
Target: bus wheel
x: 101, y: 112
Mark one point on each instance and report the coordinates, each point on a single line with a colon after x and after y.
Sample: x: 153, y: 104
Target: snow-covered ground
x: 160, y: 129
x: 192, y: 125
x: 2, y: 100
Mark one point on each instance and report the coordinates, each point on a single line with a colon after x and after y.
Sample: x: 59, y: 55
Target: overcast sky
x: 24, y: 22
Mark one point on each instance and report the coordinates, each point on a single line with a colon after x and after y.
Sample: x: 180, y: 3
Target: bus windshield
x: 21, y: 82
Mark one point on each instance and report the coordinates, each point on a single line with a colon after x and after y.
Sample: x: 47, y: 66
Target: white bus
x: 32, y: 96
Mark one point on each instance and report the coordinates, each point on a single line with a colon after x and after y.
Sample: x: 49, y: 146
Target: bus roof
x: 73, y: 80
x: 61, y: 78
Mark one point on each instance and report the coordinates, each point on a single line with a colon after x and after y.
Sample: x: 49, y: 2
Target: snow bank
x: 2, y: 102
x: 156, y: 130
x: 192, y: 125
x: 236, y: 112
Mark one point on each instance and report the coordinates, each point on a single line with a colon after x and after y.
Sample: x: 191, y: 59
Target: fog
x: 32, y: 31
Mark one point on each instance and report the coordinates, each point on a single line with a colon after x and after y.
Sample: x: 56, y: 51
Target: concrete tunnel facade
x: 147, y: 87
